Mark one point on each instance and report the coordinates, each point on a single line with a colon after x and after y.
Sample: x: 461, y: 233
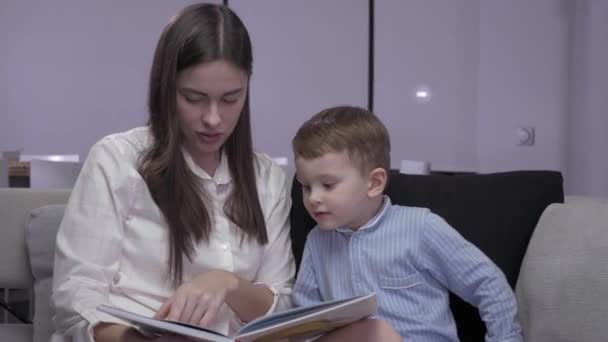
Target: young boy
x: 409, y: 256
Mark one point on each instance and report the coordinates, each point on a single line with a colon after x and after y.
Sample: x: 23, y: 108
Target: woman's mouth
x: 208, y: 138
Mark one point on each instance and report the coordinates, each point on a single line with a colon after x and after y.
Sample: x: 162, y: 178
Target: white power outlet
x: 525, y: 136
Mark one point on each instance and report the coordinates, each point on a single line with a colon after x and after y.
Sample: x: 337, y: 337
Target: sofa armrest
x: 15, y: 207
x: 562, y: 290
x: 15, y: 269
x: 16, y: 332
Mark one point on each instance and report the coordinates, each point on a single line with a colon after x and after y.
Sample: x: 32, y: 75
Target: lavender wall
x: 308, y: 55
x: 73, y: 71
x: 522, y: 82
x: 587, y: 160
x: 433, y: 44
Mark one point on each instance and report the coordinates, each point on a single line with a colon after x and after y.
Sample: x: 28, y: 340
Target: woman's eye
x: 328, y: 186
x: 191, y: 99
x: 229, y: 100
x: 305, y: 188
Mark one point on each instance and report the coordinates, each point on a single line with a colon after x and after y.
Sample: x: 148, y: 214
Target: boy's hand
x: 198, y: 301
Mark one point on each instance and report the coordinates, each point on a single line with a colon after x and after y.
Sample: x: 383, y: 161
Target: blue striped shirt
x: 410, y: 257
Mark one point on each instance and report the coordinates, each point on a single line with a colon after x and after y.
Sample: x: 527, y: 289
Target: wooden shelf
x: 18, y: 169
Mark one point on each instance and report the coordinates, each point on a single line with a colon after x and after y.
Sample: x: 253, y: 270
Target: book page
x: 306, y: 321
x: 289, y: 315
x: 153, y: 326
x: 301, y: 322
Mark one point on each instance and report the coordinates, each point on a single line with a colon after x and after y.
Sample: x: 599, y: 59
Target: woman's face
x: 210, y: 97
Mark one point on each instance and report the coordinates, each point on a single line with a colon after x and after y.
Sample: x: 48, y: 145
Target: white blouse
x: 113, y: 244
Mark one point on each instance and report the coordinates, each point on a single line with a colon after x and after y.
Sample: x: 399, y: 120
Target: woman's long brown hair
x: 198, y: 34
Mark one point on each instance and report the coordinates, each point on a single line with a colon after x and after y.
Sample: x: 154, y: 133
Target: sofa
x: 553, y: 253
x: 29, y: 220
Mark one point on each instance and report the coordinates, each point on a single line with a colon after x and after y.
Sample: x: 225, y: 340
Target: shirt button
x: 224, y: 246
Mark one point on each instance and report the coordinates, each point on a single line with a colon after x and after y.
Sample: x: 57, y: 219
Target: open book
x: 297, y: 322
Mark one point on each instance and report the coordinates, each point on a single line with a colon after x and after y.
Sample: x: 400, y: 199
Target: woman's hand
x: 171, y: 338
x: 110, y: 332
x: 198, y: 301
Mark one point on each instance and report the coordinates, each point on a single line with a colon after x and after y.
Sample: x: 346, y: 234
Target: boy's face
x: 334, y: 190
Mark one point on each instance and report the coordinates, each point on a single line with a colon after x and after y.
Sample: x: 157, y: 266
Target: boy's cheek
x: 308, y: 207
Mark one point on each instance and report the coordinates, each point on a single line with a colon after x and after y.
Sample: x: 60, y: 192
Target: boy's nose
x: 315, y: 196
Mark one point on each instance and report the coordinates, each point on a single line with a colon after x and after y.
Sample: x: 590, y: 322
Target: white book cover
x: 297, y: 322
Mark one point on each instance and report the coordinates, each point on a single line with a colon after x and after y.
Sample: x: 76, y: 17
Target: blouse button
x: 221, y: 188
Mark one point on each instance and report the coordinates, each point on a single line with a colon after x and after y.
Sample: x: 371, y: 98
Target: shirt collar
x: 222, y: 172
x: 375, y: 221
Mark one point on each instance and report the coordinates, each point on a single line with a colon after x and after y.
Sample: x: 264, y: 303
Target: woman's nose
x: 212, y: 117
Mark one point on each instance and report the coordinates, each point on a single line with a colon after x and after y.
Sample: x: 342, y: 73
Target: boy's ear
x: 377, y: 182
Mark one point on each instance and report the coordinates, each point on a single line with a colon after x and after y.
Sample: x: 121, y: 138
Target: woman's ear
x: 377, y: 182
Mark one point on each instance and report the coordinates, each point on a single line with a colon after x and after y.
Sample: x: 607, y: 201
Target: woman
x: 179, y: 219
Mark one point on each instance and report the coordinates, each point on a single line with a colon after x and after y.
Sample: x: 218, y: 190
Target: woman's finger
x: 164, y: 310
x: 210, y: 313
x: 198, y: 313
x: 190, y: 305
x: 177, y: 307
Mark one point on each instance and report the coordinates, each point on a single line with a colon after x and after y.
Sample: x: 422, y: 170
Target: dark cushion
x: 497, y: 212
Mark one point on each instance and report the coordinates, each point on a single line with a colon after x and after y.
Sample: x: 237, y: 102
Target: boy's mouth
x: 320, y: 214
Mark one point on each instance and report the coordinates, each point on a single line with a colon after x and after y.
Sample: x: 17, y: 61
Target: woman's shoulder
x: 128, y: 144
x: 267, y: 170
x: 265, y: 163
x: 118, y: 154
x: 263, y: 160
x: 113, y: 160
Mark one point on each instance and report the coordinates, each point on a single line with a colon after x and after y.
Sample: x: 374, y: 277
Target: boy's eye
x: 328, y: 186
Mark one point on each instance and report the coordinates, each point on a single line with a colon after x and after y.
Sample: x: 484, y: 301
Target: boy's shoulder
x: 317, y: 234
x: 395, y: 216
x: 407, y: 214
x: 416, y: 217
x: 407, y: 211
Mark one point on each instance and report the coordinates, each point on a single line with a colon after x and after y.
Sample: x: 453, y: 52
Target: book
x: 297, y: 322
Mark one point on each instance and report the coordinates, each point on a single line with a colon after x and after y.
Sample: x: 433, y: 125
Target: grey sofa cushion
x: 41, y: 233
x: 15, y: 332
x: 563, y: 285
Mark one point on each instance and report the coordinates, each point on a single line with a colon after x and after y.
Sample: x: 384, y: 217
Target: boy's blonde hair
x: 352, y: 129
